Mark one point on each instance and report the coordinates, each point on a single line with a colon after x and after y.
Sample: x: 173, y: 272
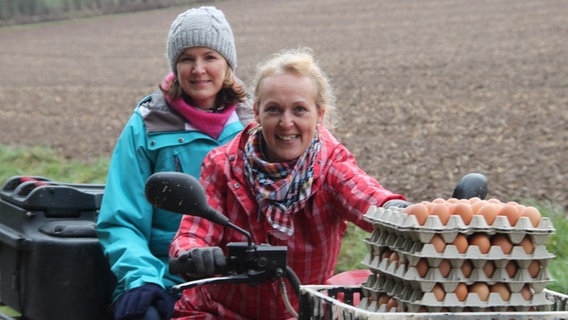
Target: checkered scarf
x: 281, y: 188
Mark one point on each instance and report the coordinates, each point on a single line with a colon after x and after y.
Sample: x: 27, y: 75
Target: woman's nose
x: 286, y: 120
x: 198, y: 67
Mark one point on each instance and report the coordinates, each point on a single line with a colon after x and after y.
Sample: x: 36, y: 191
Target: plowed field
x: 428, y: 90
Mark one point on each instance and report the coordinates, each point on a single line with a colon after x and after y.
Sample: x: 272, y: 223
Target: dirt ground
x: 428, y: 90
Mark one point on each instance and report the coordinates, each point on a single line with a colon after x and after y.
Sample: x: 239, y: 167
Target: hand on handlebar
x: 202, y: 261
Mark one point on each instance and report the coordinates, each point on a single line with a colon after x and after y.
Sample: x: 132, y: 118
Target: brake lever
x: 236, y: 278
x: 252, y: 277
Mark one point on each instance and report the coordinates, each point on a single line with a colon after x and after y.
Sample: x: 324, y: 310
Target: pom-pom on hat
x: 201, y: 27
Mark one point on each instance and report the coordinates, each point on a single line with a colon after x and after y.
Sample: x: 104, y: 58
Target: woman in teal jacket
x: 199, y: 106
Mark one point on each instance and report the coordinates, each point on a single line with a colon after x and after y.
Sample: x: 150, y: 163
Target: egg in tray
x: 457, y: 256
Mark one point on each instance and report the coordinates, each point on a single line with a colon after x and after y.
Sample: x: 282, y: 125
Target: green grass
x: 39, y: 161
x: 557, y: 245
x: 353, y: 249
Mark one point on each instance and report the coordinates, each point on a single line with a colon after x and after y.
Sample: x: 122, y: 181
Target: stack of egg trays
x: 400, y: 232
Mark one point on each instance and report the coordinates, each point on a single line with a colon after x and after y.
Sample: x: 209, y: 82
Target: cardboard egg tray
x: 411, y: 252
x: 346, y: 302
x: 411, y: 299
x: 409, y: 274
x: 395, y: 220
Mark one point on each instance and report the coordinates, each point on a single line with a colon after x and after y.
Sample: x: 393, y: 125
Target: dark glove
x: 206, y: 260
x: 135, y: 302
x: 396, y: 203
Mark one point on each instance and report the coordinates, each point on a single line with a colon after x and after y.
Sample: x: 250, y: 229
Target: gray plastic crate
x: 338, y: 303
x: 51, y: 263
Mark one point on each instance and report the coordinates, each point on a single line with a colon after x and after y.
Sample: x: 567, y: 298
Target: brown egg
x: 386, y: 254
x: 474, y: 200
x: 445, y: 267
x: 461, y: 243
x: 494, y: 200
x: 467, y: 268
x: 422, y: 267
x: 429, y: 205
x: 512, y: 213
x: 461, y: 291
x: 533, y: 214
x: 394, y: 258
x: 489, y: 211
x: 383, y: 299
x: 422, y: 309
x: 489, y: 268
x: 452, y: 200
x: 442, y: 210
x: 502, y: 289
x: 534, y: 268
x: 438, y: 243
x: 392, y: 304
x: 475, y: 206
x: 480, y: 240
x: 527, y: 245
x: 481, y: 289
x: 439, y: 200
x: 463, y: 210
x: 503, y: 241
x: 511, y: 268
x: 419, y: 210
x: 439, y: 292
x: 526, y: 293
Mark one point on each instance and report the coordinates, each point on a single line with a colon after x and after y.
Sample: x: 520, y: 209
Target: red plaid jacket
x: 341, y: 192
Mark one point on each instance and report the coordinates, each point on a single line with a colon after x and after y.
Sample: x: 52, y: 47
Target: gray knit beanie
x: 201, y: 27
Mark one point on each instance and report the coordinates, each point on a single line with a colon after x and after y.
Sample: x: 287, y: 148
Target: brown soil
x: 428, y: 90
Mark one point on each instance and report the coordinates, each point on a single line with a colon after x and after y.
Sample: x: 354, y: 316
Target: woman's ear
x: 321, y: 113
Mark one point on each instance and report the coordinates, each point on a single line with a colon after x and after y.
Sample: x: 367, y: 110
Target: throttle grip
x: 181, y: 265
x: 184, y: 265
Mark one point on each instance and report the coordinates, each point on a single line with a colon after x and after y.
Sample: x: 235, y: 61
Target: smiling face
x: 201, y: 72
x: 288, y: 115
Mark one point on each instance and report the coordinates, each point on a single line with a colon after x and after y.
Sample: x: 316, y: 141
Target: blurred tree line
x: 29, y: 11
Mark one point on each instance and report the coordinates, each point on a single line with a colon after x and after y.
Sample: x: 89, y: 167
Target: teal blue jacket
x: 135, y: 237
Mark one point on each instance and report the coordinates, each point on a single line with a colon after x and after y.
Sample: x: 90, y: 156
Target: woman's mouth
x: 289, y: 137
x: 198, y: 82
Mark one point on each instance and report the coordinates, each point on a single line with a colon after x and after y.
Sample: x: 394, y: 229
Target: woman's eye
x: 272, y: 110
x: 185, y: 59
x: 300, y: 110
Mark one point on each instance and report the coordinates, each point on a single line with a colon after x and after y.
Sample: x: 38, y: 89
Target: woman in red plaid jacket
x: 287, y: 181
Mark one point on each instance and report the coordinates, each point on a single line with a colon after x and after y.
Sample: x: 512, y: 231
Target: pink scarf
x: 210, y: 123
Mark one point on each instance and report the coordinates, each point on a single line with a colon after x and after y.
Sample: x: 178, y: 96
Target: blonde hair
x: 300, y: 61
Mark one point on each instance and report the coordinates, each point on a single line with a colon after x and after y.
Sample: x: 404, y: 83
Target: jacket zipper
x: 177, y: 163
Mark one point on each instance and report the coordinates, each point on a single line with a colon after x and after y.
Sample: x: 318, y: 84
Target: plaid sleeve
x: 354, y: 191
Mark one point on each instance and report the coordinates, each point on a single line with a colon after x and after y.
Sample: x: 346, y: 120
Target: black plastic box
x: 51, y: 263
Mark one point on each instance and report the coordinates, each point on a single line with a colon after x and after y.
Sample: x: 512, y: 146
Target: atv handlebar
x: 245, y: 264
